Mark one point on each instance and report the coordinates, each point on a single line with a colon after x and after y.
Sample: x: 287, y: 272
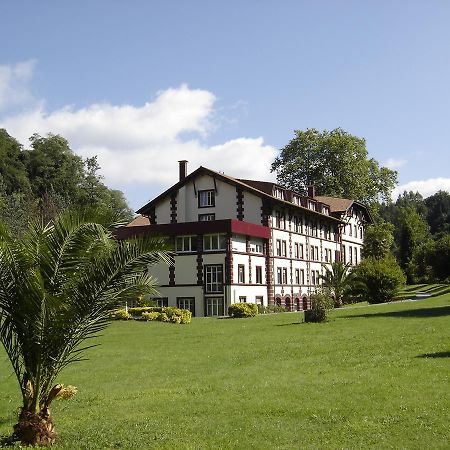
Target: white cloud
x: 424, y: 187
x: 142, y: 144
x: 14, y: 84
x: 393, y: 163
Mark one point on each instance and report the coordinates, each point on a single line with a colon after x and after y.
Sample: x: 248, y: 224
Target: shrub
x: 119, y: 314
x: 243, y: 310
x: 320, y: 305
x: 162, y: 317
x: 162, y: 314
x: 378, y: 280
x: 138, y: 311
x: 143, y: 301
x: 177, y: 315
x: 272, y: 309
x: 152, y: 315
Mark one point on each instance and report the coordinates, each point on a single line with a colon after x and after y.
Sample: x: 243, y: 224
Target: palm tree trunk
x: 35, y: 428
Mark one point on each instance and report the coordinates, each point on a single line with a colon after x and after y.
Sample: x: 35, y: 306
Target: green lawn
x: 373, y: 377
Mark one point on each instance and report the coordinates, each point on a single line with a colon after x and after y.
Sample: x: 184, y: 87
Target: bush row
x: 148, y: 313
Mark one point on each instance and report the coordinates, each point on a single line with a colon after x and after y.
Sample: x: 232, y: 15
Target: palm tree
x: 337, y: 279
x: 57, y: 284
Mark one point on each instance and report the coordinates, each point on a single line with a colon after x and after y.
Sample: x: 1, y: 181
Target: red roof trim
x: 186, y: 228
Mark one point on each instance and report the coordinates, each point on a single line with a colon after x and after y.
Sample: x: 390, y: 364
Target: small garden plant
x: 321, y: 303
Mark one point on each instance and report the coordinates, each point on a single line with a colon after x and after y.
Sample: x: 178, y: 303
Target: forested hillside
x: 40, y: 181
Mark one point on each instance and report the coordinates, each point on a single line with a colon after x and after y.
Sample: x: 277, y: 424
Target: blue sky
x: 224, y: 84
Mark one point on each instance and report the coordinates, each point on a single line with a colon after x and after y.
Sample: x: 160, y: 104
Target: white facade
x: 247, y: 241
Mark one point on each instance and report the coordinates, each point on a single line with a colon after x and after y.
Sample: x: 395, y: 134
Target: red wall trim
x: 196, y: 228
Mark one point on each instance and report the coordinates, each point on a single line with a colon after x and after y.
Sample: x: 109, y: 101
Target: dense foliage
x: 243, y: 310
x: 149, y: 313
x: 337, y: 163
x: 377, y: 280
x: 321, y: 303
x: 57, y: 284
x: 337, y: 280
x: 45, y: 179
x: 421, y: 235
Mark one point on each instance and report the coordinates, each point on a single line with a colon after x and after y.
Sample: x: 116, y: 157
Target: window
x: 356, y: 255
x: 258, y: 272
x: 350, y: 255
x: 296, y: 250
x: 242, y: 299
x: 283, y: 248
x: 314, y: 253
x: 206, y: 217
x: 297, y: 224
x: 186, y: 244
x: 214, y: 306
x: 361, y: 232
x: 256, y: 247
x: 279, y: 194
x: 356, y: 231
x: 284, y: 275
x: 317, y: 277
x: 206, y: 198
x: 302, y: 276
x: 186, y: 303
x: 301, y: 251
x: 241, y: 273
x: 279, y: 279
x: 214, y: 242
x: 278, y: 247
x: 313, y: 277
x: 297, y: 276
x: 259, y: 299
x: 350, y: 230
x: 278, y: 219
x: 162, y: 302
x: 214, y: 278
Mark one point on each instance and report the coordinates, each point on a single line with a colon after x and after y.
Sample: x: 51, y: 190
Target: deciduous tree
x: 337, y: 163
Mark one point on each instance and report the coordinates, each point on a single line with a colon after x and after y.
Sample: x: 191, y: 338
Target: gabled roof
x: 260, y: 188
x: 139, y: 221
x: 335, y: 204
x: 264, y: 186
x: 342, y: 205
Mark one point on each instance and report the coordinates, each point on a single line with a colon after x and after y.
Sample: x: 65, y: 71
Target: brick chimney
x: 183, y: 169
x: 311, y: 191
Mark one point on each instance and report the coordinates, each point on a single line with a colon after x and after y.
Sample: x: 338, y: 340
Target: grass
x: 433, y: 290
x: 372, y: 377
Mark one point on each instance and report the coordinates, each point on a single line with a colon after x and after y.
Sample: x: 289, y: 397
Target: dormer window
x: 296, y: 199
x: 206, y: 198
x: 326, y: 210
x: 279, y: 193
x: 311, y: 205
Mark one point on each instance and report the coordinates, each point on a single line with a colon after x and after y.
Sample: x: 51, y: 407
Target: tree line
x: 39, y: 182
x: 412, y: 232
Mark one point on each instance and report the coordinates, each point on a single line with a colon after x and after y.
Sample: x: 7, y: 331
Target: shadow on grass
x: 435, y: 355
x: 437, y: 311
x: 7, y: 441
x: 286, y: 324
